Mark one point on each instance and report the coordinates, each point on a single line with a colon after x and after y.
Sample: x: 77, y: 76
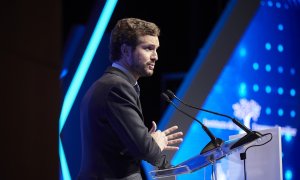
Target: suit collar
x: 121, y: 73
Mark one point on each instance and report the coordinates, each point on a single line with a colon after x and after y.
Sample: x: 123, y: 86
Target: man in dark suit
x: 114, y: 136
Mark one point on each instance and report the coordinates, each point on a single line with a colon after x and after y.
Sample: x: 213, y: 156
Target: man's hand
x: 166, y: 138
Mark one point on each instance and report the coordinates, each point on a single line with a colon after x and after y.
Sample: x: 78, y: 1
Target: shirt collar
x: 116, y: 65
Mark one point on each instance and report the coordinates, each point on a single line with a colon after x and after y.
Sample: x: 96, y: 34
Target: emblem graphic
x: 247, y: 110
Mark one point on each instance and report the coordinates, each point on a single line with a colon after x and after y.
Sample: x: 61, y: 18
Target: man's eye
x: 150, y: 48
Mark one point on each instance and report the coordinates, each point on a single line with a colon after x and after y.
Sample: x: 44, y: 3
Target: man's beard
x: 142, y: 69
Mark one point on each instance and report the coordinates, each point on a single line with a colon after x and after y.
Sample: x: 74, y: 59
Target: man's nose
x: 154, y: 56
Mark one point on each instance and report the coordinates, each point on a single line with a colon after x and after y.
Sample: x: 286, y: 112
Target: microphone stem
x: 242, y: 126
x: 212, y: 137
x: 224, y: 115
x: 213, y: 144
x: 249, y: 137
x: 236, y: 122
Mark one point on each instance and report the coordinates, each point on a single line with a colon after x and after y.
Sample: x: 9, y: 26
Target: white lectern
x: 263, y: 160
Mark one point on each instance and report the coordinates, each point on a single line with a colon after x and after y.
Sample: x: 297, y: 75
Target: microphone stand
x: 214, y: 143
x: 250, y: 135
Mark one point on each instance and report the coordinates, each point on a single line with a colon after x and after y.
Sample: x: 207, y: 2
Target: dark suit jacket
x: 114, y: 137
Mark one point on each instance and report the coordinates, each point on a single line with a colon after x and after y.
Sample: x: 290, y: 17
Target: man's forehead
x: 153, y: 40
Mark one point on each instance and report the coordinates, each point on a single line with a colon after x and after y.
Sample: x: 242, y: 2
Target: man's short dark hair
x: 127, y: 31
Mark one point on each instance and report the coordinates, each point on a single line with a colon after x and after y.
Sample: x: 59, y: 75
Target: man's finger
x: 153, y: 128
x: 171, y: 129
x: 175, y: 135
x: 175, y: 141
x: 172, y: 148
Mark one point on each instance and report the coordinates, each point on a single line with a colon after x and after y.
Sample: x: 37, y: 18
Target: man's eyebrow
x: 151, y: 44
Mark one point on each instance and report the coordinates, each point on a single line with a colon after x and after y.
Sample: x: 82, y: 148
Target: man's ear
x: 125, y: 50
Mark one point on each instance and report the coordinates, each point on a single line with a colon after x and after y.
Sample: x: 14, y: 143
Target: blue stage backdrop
x: 259, y: 84
x: 248, y: 69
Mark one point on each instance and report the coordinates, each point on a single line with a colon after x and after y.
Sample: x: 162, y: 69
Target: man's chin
x: 148, y: 73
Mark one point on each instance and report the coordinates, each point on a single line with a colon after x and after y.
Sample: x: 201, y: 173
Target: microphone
x: 165, y: 163
x: 250, y: 135
x: 214, y: 143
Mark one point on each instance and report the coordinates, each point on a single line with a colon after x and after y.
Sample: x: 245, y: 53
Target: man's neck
x: 124, y: 69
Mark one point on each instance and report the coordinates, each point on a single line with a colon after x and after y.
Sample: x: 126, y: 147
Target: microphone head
x: 165, y: 97
x: 170, y: 94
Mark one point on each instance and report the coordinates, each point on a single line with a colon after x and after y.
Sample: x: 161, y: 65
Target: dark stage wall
x: 30, y: 91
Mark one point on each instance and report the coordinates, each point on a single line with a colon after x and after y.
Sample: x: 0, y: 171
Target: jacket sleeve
x: 126, y: 119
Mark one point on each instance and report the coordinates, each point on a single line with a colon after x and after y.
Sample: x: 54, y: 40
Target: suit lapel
x: 127, y: 78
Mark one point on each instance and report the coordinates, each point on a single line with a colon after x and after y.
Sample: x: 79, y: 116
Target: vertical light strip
x: 80, y: 75
x: 86, y: 61
x: 63, y: 163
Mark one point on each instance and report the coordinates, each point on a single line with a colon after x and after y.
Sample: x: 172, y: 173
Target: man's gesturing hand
x: 165, y: 139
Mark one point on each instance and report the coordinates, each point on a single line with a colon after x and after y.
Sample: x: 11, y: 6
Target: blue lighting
x: 288, y: 137
x: 255, y: 66
x: 280, y: 27
x: 218, y: 89
x: 268, y: 111
x: 268, y: 89
x: 243, y: 52
x: 278, y: 5
x: 265, y: 64
x: 86, y: 61
x: 280, y: 90
x: 268, y: 46
x: 280, y: 112
x: 293, y: 71
x: 280, y: 69
x: 293, y: 113
x: 63, y: 73
x: 288, y: 175
x: 292, y: 92
x: 63, y: 162
x: 286, y: 6
x: 243, y: 90
x: 255, y: 87
x: 270, y: 3
x: 268, y: 67
x: 280, y: 47
x: 79, y: 76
